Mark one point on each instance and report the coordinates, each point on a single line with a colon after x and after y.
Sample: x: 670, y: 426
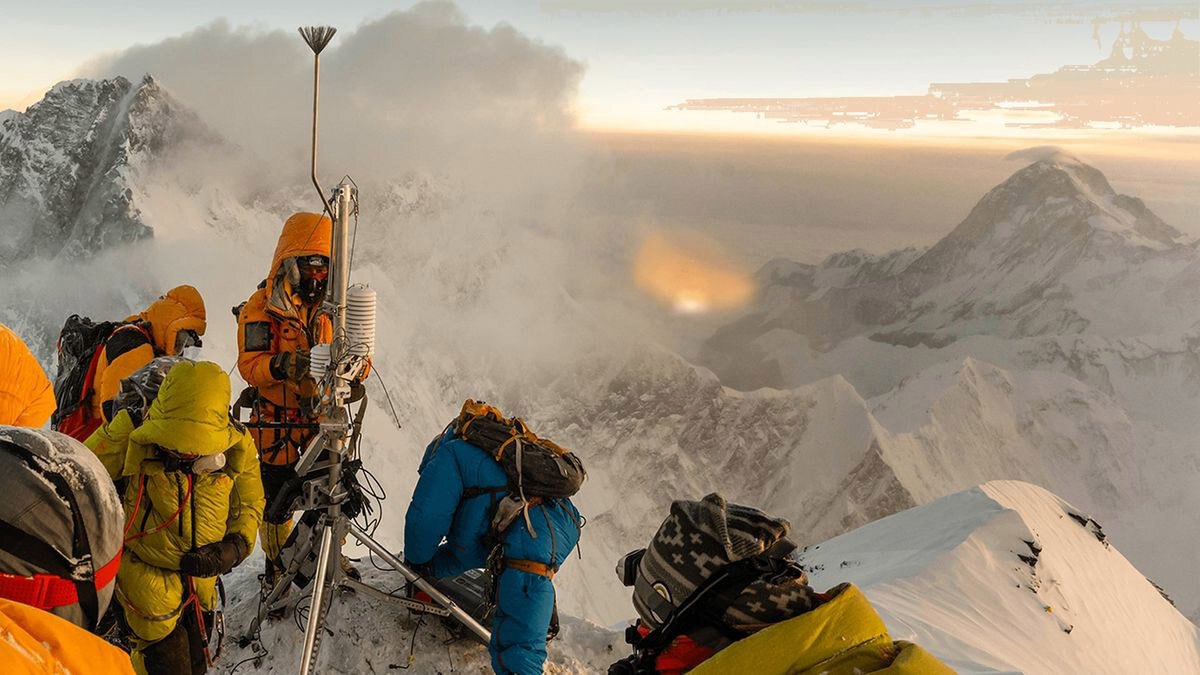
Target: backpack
x: 536, y: 467
x: 80, y: 344
x: 140, y: 388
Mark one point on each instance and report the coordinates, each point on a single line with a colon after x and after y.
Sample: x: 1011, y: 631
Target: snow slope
x: 655, y: 428
x: 1006, y: 577
x: 369, y: 634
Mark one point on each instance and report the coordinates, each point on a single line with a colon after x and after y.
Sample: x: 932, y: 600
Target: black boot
x: 171, y: 655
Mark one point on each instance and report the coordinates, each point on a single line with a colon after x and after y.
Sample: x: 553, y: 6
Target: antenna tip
x: 317, y: 37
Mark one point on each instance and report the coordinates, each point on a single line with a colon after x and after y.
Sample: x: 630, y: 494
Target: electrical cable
x: 388, y: 394
x: 412, y: 647
x: 354, y: 236
x: 255, y: 644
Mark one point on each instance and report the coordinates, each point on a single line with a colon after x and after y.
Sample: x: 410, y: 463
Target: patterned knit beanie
x: 697, y: 539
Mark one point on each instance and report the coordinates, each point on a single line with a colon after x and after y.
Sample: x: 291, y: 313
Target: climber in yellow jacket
x: 843, y: 636
x: 26, y: 397
x: 718, y: 591
x: 193, y: 502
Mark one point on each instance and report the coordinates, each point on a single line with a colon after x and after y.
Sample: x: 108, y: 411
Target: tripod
x: 328, y: 488
x: 328, y: 499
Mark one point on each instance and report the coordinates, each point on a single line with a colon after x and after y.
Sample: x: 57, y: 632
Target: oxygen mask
x: 314, y: 278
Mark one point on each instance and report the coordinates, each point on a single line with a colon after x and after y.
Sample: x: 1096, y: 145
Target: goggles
x: 315, y: 273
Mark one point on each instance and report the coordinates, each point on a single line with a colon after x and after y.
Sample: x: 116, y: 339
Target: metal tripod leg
x: 282, y: 583
x: 316, y: 611
x: 416, y: 579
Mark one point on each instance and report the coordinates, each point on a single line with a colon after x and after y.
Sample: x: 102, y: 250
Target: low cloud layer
x: 1051, y: 153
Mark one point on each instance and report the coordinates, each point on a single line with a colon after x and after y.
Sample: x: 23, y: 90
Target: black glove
x: 290, y: 366
x: 215, y: 559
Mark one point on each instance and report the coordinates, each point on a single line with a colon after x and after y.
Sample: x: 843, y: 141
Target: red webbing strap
x: 46, y: 591
x: 186, y: 498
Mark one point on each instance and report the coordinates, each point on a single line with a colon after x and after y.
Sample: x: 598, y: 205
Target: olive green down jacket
x: 169, y: 509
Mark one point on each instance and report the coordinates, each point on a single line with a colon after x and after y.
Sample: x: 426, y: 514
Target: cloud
x: 420, y: 88
x: 462, y: 139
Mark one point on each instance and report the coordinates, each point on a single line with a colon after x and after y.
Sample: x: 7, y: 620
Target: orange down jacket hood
x: 303, y: 234
x: 26, y: 397
x: 180, y: 308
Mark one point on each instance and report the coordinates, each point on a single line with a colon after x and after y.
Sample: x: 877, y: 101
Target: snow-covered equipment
x: 326, y: 487
x: 79, y: 347
x: 60, y: 525
x: 140, y: 389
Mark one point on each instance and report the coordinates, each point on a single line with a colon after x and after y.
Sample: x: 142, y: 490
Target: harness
x: 280, y: 420
x: 540, y: 569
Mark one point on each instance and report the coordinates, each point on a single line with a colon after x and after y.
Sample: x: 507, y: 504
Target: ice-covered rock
x: 65, y: 165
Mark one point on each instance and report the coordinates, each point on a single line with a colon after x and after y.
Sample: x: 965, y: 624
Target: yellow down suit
x: 171, y: 510
x: 845, y: 636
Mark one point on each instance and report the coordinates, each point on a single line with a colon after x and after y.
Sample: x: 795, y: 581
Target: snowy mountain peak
x: 1058, y: 202
x: 1050, y: 251
x: 65, y: 163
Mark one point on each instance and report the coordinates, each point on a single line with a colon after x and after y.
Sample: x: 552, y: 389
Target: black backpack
x: 536, y: 467
x: 79, y: 345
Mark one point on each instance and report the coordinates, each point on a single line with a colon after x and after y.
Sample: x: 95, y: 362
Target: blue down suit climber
x: 525, y: 599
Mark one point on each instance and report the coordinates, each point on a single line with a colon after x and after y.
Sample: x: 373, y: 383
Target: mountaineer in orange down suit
x: 277, y: 327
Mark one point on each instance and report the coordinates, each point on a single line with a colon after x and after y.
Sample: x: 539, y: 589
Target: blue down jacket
x: 525, y: 600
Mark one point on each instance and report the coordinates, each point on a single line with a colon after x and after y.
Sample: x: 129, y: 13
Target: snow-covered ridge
x: 1002, y: 577
x: 1007, y: 577
x: 656, y: 428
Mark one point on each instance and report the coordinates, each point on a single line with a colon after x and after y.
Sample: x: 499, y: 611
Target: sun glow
x: 690, y: 273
